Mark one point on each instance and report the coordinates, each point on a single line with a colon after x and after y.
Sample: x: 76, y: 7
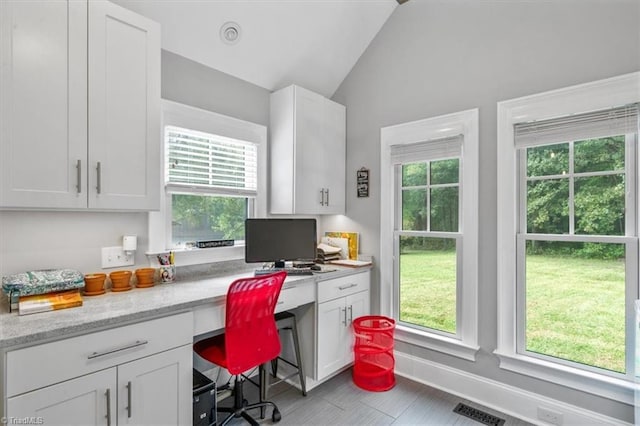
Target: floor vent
x: 478, y: 415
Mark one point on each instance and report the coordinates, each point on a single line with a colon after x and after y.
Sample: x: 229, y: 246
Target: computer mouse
x: 316, y: 268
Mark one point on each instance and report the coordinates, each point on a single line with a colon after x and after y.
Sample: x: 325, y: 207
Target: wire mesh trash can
x: 374, y: 363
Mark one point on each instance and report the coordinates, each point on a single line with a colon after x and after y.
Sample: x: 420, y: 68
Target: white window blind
x: 435, y: 149
x: 206, y: 163
x: 591, y: 125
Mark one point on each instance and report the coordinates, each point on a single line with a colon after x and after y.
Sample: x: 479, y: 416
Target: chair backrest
x: 251, y: 335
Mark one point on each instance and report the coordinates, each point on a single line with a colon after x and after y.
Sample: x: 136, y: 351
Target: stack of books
x: 49, y: 301
x: 43, y: 290
x: 327, y: 253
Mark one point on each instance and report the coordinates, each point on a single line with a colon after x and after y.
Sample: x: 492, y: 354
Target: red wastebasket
x: 374, y: 363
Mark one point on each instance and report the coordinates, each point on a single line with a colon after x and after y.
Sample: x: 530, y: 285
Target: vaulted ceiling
x: 312, y: 43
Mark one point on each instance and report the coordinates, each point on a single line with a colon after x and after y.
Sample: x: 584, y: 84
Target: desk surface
x: 115, y: 309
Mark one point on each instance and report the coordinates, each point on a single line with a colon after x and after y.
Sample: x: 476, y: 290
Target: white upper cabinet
x: 80, y: 106
x: 307, y: 155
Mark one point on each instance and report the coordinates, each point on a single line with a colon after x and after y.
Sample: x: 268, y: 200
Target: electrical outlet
x: 113, y: 257
x: 550, y: 416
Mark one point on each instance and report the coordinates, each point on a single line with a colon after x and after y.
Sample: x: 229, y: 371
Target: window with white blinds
x: 568, y: 231
x: 207, y: 163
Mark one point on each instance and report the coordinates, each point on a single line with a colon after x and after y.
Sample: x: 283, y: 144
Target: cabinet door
x: 310, y: 151
x: 84, y: 401
x: 335, y: 157
x: 357, y: 306
x: 333, y: 346
x: 124, y: 109
x: 43, y: 111
x: 156, y: 390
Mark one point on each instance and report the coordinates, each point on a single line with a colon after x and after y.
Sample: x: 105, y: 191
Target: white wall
x: 39, y: 240
x: 434, y: 57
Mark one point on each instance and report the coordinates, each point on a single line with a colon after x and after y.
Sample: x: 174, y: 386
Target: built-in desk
x: 59, y: 359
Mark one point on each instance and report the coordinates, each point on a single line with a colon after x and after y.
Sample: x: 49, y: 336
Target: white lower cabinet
x: 144, y: 381
x: 340, y: 301
x: 156, y: 390
x: 82, y: 401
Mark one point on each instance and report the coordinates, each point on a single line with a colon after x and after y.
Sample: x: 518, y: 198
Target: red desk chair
x: 250, y: 338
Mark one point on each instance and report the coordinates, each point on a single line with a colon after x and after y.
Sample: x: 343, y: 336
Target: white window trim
x: 465, y: 123
x: 587, y: 97
x: 180, y: 115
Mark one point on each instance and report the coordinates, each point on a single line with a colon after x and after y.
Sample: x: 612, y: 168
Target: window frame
x: 188, y: 117
x: 594, y: 96
x: 465, y: 344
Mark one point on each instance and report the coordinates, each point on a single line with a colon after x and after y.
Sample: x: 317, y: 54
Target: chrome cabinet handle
x: 344, y: 322
x: 108, y: 416
x: 129, y: 399
x: 327, y: 202
x: 344, y: 287
x: 322, y: 196
x: 98, y: 181
x: 111, y: 351
x: 79, y: 176
x: 350, y: 314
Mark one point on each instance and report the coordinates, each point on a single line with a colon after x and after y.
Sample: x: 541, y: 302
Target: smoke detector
x: 230, y: 32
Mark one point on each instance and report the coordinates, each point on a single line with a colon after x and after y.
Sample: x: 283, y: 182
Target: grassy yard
x: 575, y: 307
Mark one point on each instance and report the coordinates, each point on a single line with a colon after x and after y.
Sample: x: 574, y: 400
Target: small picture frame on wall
x: 362, y: 182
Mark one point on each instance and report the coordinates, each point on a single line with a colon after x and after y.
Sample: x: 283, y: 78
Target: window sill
x: 436, y: 342
x: 196, y: 256
x: 596, y: 384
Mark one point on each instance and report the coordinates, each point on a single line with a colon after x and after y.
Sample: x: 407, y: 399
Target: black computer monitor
x: 280, y: 240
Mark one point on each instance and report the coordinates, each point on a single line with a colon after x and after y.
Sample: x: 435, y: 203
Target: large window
x: 569, y: 279
x: 429, y: 228
x: 215, y: 177
x: 212, y: 183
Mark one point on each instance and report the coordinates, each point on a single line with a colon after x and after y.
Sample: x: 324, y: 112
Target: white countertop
x: 113, y: 309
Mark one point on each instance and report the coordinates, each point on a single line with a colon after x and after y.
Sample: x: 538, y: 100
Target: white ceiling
x: 312, y: 43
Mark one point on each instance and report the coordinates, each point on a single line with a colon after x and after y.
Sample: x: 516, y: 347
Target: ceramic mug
x: 167, y: 273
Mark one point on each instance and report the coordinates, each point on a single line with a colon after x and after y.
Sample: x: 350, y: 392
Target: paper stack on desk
x: 327, y: 253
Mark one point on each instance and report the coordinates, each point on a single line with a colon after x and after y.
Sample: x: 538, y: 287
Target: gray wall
x: 192, y: 83
x: 436, y: 57
x: 38, y: 239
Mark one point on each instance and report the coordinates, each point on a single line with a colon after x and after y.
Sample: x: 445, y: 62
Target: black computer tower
x: 204, y: 400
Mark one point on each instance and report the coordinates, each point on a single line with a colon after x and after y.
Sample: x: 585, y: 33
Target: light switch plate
x: 114, y: 257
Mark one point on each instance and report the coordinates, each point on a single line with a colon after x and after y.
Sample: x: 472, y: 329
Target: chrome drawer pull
x: 344, y: 287
x: 79, y: 176
x: 108, y: 416
x: 111, y: 351
x: 99, y: 180
x: 129, y: 399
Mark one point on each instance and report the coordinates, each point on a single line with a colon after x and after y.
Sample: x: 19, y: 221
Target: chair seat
x: 213, y: 350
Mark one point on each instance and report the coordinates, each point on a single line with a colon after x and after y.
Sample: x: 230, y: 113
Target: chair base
x: 241, y: 406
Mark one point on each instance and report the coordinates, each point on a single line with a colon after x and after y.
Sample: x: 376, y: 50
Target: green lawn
x: 575, y: 307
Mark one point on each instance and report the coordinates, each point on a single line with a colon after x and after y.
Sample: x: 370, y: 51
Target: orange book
x: 49, y: 301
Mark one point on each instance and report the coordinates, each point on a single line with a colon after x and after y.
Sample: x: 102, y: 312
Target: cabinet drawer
x: 42, y: 365
x: 339, y: 287
x: 207, y: 318
x: 295, y: 295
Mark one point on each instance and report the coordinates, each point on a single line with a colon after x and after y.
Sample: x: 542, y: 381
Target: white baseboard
x: 492, y: 394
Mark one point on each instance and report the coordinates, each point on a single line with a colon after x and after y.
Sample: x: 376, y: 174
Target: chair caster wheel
x: 245, y: 402
x: 276, y: 416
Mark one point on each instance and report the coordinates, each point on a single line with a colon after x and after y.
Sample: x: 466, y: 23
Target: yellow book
x: 49, y: 302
